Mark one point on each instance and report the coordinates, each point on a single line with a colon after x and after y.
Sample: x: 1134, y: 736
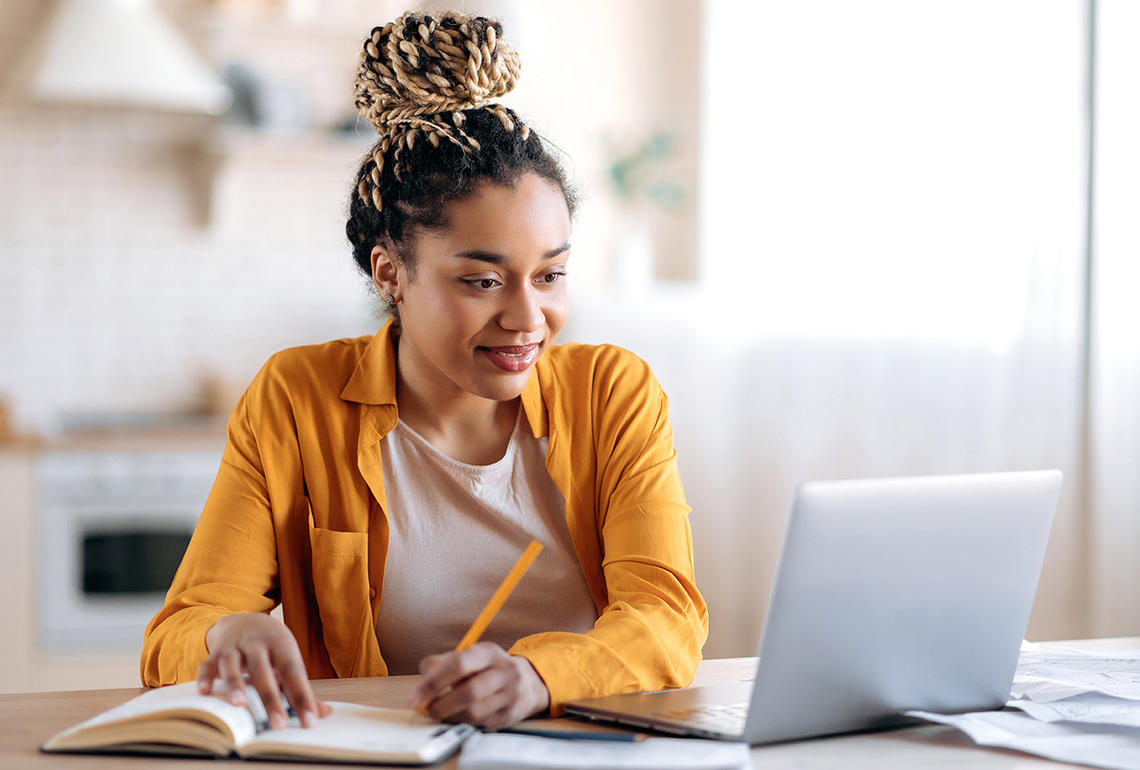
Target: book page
x: 130, y: 722
x: 354, y: 731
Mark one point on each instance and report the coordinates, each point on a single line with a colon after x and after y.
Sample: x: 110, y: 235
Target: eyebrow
x: 498, y: 259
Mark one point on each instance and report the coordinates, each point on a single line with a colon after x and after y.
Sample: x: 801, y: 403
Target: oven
x: 112, y: 527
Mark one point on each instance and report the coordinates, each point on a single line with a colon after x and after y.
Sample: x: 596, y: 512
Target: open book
x: 178, y: 720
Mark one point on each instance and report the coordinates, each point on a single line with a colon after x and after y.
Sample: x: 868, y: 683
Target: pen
x: 497, y: 600
x: 574, y: 735
x: 257, y: 708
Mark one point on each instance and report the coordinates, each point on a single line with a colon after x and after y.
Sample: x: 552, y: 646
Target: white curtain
x: 1114, y: 428
x: 893, y: 258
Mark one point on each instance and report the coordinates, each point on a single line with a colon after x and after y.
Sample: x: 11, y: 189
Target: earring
x: 389, y: 299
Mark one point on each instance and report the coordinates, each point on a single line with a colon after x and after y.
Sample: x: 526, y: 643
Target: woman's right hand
x: 263, y: 647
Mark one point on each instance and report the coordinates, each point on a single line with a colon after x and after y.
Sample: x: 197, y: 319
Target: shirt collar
x: 374, y: 379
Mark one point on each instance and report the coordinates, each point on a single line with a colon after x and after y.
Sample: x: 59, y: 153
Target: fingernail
x: 307, y: 719
x: 237, y: 697
x: 278, y: 721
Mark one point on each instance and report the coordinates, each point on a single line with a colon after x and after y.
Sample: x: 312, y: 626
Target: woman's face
x: 488, y: 292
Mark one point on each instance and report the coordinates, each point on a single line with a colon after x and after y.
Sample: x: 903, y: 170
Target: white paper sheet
x: 1108, y: 746
x: 1046, y: 675
x: 501, y: 751
x: 1088, y: 707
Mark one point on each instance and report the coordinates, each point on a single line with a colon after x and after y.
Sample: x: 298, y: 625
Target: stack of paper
x: 1075, y: 706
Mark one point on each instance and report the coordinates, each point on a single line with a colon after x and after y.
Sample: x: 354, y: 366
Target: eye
x: 484, y: 284
x: 554, y: 276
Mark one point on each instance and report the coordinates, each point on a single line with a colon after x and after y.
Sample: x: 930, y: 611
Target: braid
x: 419, y: 64
x: 425, y: 84
x: 415, y: 76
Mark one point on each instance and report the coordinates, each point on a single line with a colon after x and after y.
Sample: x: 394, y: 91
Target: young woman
x: 379, y: 488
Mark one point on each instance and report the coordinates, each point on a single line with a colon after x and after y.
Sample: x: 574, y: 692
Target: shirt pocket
x: 340, y: 582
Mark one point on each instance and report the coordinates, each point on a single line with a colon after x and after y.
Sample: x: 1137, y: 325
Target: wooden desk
x: 29, y: 719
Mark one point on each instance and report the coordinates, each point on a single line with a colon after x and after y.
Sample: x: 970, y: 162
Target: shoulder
x: 318, y: 360
x: 604, y: 402
x: 594, y: 363
x: 594, y: 360
x: 319, y: 369
x: 605, y: 375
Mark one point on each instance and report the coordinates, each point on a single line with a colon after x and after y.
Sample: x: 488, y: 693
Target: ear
x: 385, y: 272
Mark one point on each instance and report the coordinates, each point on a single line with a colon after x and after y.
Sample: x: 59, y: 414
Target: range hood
x: 119, y: 52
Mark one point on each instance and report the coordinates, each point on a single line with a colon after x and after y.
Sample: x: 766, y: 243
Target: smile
x: 511, y: 358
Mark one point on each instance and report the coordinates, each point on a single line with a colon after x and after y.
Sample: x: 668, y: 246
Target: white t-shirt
x: 454, y: 532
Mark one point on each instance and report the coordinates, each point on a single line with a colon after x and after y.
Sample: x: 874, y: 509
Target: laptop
x: 890, y: 594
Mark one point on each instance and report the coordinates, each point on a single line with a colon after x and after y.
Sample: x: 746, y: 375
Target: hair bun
x: 421, y: 64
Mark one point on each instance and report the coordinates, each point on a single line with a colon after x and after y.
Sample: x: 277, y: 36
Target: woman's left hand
x: 482, y: 685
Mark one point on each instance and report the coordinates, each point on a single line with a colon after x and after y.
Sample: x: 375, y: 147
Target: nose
x: 523, y: 311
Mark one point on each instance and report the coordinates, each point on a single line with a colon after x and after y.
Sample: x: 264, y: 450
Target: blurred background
x: 852, y: 239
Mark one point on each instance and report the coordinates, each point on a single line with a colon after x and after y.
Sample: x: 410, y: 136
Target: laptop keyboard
x: 728, y: 718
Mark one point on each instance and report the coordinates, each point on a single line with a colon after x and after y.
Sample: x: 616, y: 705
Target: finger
x: 230, y: 668
x: 264, y: 680
x: 441, y: 672
x: 515, y: 698
x: 433, y: 669
x: 473, y: 699
x: 324, y: 709
x: 207, y: 672
x: 504, y: 717
x: 481, y: 712
x: 295, y: 681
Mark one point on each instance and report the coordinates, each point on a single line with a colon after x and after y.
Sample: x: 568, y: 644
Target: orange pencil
x: 497, y: 600
x: 500, y: 596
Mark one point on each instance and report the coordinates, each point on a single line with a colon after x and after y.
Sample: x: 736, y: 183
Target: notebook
x: 178, y: 721
x: 890, y: 595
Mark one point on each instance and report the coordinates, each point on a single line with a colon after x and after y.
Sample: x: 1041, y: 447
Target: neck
x: 465, y: 427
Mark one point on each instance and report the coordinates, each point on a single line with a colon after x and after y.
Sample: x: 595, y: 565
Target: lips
x: 511, y: 358
x: 515, y: 350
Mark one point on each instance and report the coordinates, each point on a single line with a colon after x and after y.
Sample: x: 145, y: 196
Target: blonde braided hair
x: 417, y: 76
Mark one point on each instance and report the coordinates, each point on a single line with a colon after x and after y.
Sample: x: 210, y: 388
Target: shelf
x: 229, y: 141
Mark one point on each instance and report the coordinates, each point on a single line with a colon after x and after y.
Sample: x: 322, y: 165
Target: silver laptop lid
x: 902, y: 593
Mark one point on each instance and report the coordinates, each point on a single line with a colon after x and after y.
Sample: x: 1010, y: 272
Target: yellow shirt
x: 297, y: 516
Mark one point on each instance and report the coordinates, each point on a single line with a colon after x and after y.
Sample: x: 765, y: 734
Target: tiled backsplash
x: 129, y: 274
x: 114, y: 296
